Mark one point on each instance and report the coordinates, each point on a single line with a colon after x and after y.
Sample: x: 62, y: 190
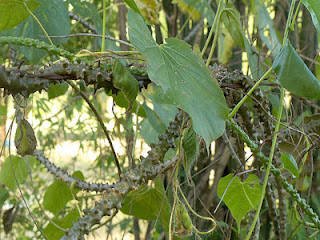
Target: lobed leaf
x: 185, y: 79
x: 13, y: 12
x: 240, y: 197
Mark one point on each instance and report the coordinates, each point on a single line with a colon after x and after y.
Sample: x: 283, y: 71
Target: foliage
x: 154, y: 129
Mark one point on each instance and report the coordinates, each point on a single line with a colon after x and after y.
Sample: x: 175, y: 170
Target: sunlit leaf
x: 13, y: 12
x: 3, y: 110
x: 53, y: 15
x: 20, y: 168
x: 58, y: 194
x: 52, y: 232
x: 294, y: 75
x: 240, y: 197
x: 184, y: 78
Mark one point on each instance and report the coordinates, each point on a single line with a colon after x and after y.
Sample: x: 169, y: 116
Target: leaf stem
x: 214, y: 39
x: 104, y: 25
x: 274, y: 140
x: 39, y: 23
x: 295, y: 17
x: 75, y: 87
x: 212, y: 28
x: 286, y: 31
x: 236, y: 108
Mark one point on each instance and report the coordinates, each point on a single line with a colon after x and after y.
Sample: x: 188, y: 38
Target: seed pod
x: 25, y: 140
x: 182, y: 221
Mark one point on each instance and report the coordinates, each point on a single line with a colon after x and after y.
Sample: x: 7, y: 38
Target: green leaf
x: 20, y: 169
x: 80, y: 176
x: 53, y: 233
x: 124, y: 81
x: 133, y: 6
x: 13, y: 12
x: 57, y: 196
x: 54, y: 17
x: 314, y: 8
x: 240, y: 197
x: 294, y: 75
x: 184, y: 77
x: 147, y: 132
x: 149, y: 203
x: 290, y: 164
x: 57, y: 90
x: 154, y: 119
x: 3, y: 111
x: 204, y: 8
x: 4, y: 195
x: 190, y: 145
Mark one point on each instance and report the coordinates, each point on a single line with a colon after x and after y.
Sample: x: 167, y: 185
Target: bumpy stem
x: 275, y: 171
x: 28, y: 42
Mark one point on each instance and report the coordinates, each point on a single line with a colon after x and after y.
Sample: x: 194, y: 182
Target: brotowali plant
x: 240, y: 113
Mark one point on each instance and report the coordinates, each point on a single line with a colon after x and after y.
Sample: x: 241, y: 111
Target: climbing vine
x: 221, y: 97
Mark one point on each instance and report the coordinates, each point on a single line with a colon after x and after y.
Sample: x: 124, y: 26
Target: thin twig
x: 18, y: 185
x: 100, y: 122
x: 92, y: 35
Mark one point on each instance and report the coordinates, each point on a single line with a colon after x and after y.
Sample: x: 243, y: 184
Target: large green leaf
x: 7, y: 177
x: 54, y: 17
x: 53, y: 233
x: 184, y: 76
x: 149, y: 203
x: 294, y: 75
x: 314, y: 8
x: 124, y: 81
x: 57, y: 196
x: 240, y: 197
x: 13, y: 12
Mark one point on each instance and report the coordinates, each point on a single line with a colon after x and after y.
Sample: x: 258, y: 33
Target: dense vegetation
x: 168, y: 119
